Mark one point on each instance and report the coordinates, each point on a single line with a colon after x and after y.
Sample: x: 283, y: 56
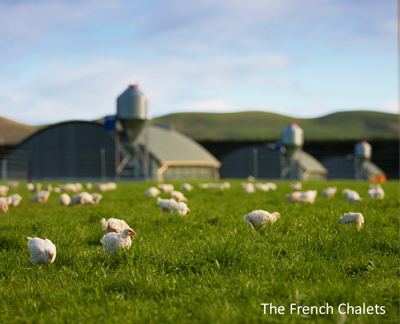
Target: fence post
x: 4, y: 169
x: 103, y: 163
x: 255, y: 162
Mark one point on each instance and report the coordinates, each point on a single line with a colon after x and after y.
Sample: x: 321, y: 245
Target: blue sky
x: 65, y: 60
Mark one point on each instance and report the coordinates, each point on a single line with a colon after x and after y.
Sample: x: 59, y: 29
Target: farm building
x: 344, y: 168
x: 85, y: 150
x: 266, y: 163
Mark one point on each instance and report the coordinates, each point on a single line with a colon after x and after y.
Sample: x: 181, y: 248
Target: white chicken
x: 222, y: 186
x: 227, y: 185
x: 186, y: 186
x: 374, y: 186
x: 178, y: 196
x: 329, y: 192
x: 181, y: 209
x: 376, y: 193
x: 64, y: 199
x: 3, y: 205
x: 78, y: 186
x: 113, y: 225
x: 352, y: 219
x: 49, y: 187
x: 112, y: 242
x: 41, y: 196
x: 82, y: 198
x: 260, y: 217
x: 152, y: 192
x: 29, y: 186
x: 165, y: 187
x: 352, y: 197
x: 111, y: 186
x: 97, y: 197
x: 295, y: 186
x: 101, y: 187
x: 3, y: 191
x: 167, y: 205
x: 309, y: 196
x: 42, y: 251
x: 294, y: 196
x: 265, y: 186
x: 206, y: 185
x: 57, y: 189
x: 12, y: 185
x: 37, y: 187
x: 248, y: 188
x: 89, y: 185
x: 68, y: 187
x: 346, y: 191
x: 14, y: 200
x: 105, y: 186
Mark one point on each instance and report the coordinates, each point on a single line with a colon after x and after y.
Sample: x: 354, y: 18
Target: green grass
x: 203, y: 268
x: 258, y: 125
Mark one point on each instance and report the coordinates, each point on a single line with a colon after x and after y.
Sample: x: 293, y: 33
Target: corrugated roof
x: 171, y: 147
x: 372, y: 168
x: 308, y: 162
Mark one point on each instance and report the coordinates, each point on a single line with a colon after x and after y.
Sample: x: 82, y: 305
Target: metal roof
x: 372, y: 168
x: 341, y: 167
x: 308, y: 162
x: 172, y: 148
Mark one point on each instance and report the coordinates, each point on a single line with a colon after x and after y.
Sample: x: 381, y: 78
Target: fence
x: 99, y: 165
x: 15, y: 166
x: 28, y: 165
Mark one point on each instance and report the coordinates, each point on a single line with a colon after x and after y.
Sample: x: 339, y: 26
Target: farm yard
x: 207, y: 267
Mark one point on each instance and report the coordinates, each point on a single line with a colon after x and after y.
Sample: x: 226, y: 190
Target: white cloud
x: 211, y: 105
x: 71, y: 59
x: 390, y: 106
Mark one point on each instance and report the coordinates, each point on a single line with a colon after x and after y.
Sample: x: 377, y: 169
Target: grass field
x: 206, y: 267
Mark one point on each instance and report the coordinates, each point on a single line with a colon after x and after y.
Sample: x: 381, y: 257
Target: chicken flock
x: 119, y: 235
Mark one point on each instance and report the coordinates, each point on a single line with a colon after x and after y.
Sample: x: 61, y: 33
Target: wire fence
x: 39, y: 164
x: 101, y: 165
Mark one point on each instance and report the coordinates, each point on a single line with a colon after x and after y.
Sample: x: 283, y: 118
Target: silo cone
x: 132, y: 111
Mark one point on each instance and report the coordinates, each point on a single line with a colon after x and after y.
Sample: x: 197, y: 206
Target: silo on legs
x: 292, y: 140
x: 132, y: 117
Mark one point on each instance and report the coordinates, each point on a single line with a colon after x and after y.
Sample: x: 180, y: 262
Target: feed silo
x: 131, y: 119
x: 132, y: 111
x: 362, y: 152
x: 292, y: 138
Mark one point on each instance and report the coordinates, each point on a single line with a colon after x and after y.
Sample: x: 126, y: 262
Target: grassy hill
x: 11, y: 132
x: 254, y: 125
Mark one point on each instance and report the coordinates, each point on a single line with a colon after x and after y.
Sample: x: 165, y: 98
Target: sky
x: 63, y: 60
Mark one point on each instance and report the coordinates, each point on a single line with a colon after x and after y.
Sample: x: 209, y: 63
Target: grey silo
x: 292, y: 137
x: 132, y: 111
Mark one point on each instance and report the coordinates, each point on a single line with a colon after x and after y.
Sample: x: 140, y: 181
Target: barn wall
x: 261, y: 163
x: 385, y: 152
x: 70, y: 150
x: 188, y: 173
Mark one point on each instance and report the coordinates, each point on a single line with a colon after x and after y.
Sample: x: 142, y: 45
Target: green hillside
x: 254, y: 125
x: 12, y: 133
